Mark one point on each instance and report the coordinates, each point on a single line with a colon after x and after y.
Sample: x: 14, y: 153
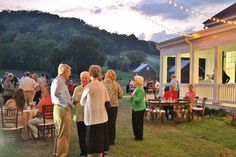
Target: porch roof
x: 201, y: 34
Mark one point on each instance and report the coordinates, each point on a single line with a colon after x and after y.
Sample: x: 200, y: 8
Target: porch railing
x: 227, y: 93
x: 204, y: 90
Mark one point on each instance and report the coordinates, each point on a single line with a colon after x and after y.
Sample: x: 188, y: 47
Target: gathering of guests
x: 96, y: 123
x: 93, y: 104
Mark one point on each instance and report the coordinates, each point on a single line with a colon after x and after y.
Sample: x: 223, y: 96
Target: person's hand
x: 74, y: 100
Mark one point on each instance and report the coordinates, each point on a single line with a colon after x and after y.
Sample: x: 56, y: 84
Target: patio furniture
x: 182, y: 110
x: 10, y: 123
x: 199, y: 110
x: 47, y: 127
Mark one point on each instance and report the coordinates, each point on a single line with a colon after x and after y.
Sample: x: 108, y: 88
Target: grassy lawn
x: 201, y: 138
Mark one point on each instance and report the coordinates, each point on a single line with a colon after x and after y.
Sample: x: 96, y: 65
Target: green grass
x: 211, y: 137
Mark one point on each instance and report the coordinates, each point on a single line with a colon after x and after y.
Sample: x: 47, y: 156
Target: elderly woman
x: 170, y: 95
x: 79, y: 111
x: 190, y: 94
x: 8, y: 88
x: 93, y: 99
x: 138, y: 107
x: 115, y: 92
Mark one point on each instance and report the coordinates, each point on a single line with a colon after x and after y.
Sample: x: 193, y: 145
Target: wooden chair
x: 10, y: 122
x: 182, y: 110
x: 48, y: 125
x: 199, y: 110
x: 155, y: 110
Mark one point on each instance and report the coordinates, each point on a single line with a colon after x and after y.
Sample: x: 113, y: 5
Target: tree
x: 83, y: 52
x: 136, y: 57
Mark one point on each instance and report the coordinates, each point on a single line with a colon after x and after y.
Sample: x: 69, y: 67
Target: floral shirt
x: 114, y: 90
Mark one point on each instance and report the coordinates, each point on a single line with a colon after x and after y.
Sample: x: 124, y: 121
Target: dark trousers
x: 112, y: 114
x: 81, y: 128
x: 5, y: 98
x: 169, y: 110
x: 137, y: 123
x: 37, y: 96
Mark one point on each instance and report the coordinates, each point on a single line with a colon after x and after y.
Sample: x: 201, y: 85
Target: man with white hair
x: 62, y: 110
x: 175, y: 83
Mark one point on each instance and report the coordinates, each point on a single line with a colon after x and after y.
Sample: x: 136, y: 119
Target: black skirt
x: 97, y: 138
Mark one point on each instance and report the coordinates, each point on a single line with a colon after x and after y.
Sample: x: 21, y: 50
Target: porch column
x: 217, y: 73
x: 163, y: 69
x: 191, y: 65
x: 178, y: 67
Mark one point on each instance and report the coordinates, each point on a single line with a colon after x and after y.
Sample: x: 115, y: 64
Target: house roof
x: 226, y: 14
x: 201, y: 33
x: 138, y: 69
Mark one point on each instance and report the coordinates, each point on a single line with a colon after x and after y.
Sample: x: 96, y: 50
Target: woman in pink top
x: 191, y: 96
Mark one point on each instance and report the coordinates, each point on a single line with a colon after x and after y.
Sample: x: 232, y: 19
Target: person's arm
x: 83, y: 98
x: 120, y: 91
x: 57, y: 97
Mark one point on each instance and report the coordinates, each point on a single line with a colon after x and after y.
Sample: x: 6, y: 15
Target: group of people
x: 171, y: 93
x: 31, y: 85
x: 96, y: 124
x: 29, y: 90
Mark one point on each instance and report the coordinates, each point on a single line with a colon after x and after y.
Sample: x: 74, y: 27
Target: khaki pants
x: 62, y: 120
x: 29, y: 96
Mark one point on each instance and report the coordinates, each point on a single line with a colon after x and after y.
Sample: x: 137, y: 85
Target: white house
x: 206, y: 54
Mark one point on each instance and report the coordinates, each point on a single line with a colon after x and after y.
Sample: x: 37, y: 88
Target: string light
x: 199, y: 13
x: 161, y: 25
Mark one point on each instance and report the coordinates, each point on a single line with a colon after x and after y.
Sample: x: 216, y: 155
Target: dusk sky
x: 155, y: 20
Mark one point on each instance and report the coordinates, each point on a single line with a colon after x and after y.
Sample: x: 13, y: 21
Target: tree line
x: 34, y: 40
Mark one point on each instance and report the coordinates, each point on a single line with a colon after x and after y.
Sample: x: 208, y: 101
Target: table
x: 152, y: 103
x: 27, y: 115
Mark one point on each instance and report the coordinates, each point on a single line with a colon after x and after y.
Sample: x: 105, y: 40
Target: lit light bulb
x: 170, y: 2
x: 181, y: 7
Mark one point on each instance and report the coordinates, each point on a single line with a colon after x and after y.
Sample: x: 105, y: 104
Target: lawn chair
x: 47, y: 127
x: 199, y: 110
x: 10, y: 123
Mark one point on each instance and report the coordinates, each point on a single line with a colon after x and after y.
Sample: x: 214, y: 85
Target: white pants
x: 32, y: 124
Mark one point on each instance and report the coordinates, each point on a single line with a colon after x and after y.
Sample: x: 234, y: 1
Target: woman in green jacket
x: 138, y: 107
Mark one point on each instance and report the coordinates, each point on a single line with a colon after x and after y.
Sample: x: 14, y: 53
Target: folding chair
x: 47, y: 127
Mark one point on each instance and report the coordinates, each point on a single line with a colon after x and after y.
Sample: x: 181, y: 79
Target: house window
x: 170, y: 67
x: 185, y: 70
x: 148, y: 68
x: 230, y: 65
